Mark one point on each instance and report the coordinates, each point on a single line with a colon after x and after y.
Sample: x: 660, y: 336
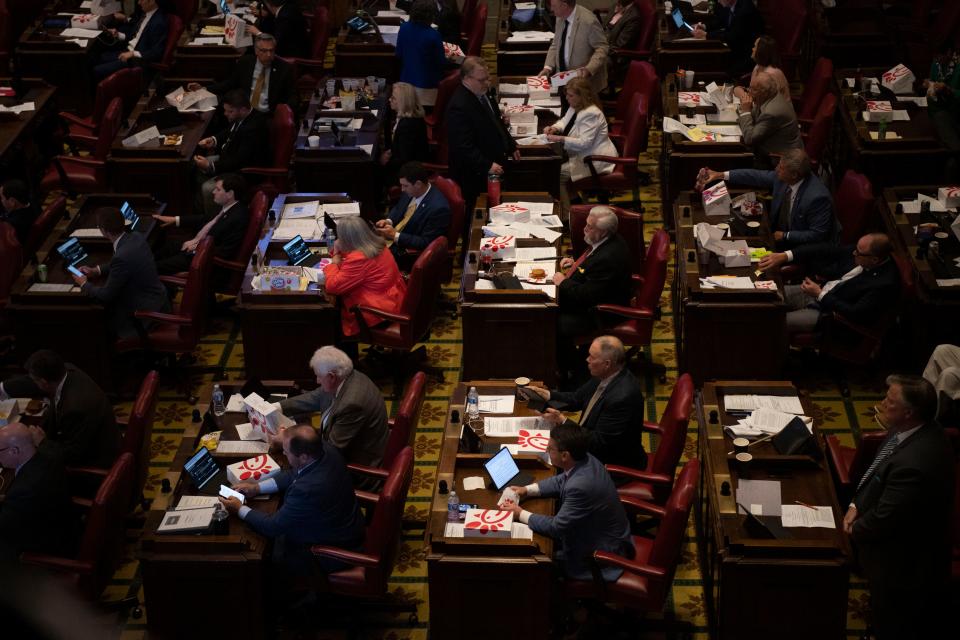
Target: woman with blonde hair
x: 362, y: 271
x: 583, y: 132
x: 405, y: 138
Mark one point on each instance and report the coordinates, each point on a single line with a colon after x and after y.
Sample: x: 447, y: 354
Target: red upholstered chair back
x: 819, y: 132
x: 259, y: 204
x: 283, y: 136
x: 629, y: 226
x: 423, y: 287
x: 102, y: 543
x: 185, y: 9
x: 817, y: 85
x: 445, y: 90
x: 405, y: 422
x: 476, y: 30
x: 43, y: 225
x: 319, y: 33
x: 6, y: 35
x: 854, y: 205
x: 109, y: 127
x: 451, y: 191
x: 11, y: 260
x: 129, y: 86
x: 383, y: 532
x: 665, y: 552
x: 193, y: 302
x: 866, y: 451
x: 673, y: 423
x: 648, y: 24
x: 136, y: 438
x: 641, y: 80
x: 654, y: 271
x: 174, y: 30
x: 908, y: 286
x: 466, y: 15
x: 635, y: 131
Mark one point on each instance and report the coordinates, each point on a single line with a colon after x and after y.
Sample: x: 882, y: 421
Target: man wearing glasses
x: 861, y: 282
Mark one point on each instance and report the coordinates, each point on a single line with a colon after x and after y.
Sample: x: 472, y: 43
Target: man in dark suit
x: 590, y: 517
x: 35, y: 514
x: 611, y: 406
x: 227, y: 227
x: 140, y: 39
x: 267, y: 79
x: 900, y: 518
x: 802, y: 209
x: 738, y: 24
x: 79, y: 425
x: 354, y: 415
x: 862, y: 281
x: 18, y: 211
x: 421, y: 216
x: 319, y: 506
x: 284, y: 20
x: 132, y: 281
x: 243, y: 143
x: 479, y: 141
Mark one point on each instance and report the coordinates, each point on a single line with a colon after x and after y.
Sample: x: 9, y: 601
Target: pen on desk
x: 804, y: 504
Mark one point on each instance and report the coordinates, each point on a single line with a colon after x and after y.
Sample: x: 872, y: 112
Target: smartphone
x: 534, y: 400
x: 72, y: 269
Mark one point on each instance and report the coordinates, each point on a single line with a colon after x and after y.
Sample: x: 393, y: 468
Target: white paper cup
x: 753, y: 224
x: 348, y: 101
x: 688, y: 79
x: 313, y: 141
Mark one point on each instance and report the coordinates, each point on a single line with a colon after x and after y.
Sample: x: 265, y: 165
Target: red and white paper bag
x: 490, y: 523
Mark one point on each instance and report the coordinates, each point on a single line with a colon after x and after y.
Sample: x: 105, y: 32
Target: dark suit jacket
x: 153, y: 41
x: 281, y: 89
x: 477, y: 138
x: 811, y: 219
x: 603, y: 278
x: 590, y: 518
x: 860, y: 299
x: 132, y: 284
x: 430, y: 221
x: 357, y: 420
x: 903, y: 525
x: 21, y: 220
x: 739, y: 31
x: 289, y: 27
x: 227, y: 233
x: 623, y: 35
x: 408, y: 142
x: 614, y: 421
x: 448, y: 22
x: 248, y: 146
x: 36, y: 514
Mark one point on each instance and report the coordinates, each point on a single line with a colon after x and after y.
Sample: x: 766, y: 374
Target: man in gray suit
x: 590, y: 517
x: 132, y: 281
x: 354, y: 416
x: 767, y: 119
x: 578, y: 43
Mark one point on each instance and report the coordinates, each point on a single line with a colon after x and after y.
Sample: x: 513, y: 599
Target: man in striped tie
x: 899, y: 519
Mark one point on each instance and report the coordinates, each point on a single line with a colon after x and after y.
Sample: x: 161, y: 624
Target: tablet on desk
x: 299, y: 253
x: 130, y: 216
x: 206, y: 474
x: 72, y: 252
x: 503, y: 471
x: 679, y: 21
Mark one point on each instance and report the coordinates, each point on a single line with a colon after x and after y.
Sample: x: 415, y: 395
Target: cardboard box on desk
x: 265, y: 418
x: 716, y: 200
x: 520, y: 113
x: 878, y: 111
x: 949, y: 197
x: 85, y: 21
x: 899, y: 79
x: 509, y: 213
x: 253, y: 469
x: 538, y: 87
x: 235, y: 31
x: 490, y: 523
x: 453, y: 53
x: 734, y: 253
x: 501, y: 247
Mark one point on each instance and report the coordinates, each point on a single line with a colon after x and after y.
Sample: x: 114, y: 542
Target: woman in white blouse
x: 583, y: 132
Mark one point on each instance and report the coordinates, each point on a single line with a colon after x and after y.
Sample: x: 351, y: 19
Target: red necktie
x: 575, y: 265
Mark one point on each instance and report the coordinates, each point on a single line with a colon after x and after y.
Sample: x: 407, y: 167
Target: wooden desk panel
x: 675, y: 49
x: 361, y: 55
x: 526, y: 58
x: 42, y: 53
x: 21, y: 136
x: 203, y: 61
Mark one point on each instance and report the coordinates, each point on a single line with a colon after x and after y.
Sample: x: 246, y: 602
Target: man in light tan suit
x: 578, y: 43
x: 767, y: 119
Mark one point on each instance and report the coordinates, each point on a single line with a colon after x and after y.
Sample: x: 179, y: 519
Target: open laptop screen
x: 502, y: 468
x: 297, y: 250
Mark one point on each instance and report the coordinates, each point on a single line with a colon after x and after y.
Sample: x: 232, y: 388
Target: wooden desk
x: 715, y: 328
x: 20, y: 154
x: 186, y: 577
x: 912, y: 159
x: 792, y: 588
x: 143, y: 204
x: 676, y: 49
x: 506, y: 333
x: 214, y: 61
x: 481, y: 574
x: 341, y: 165
x: 358, y: 55
x: 539, y: 166
x: 851, y: 35
x: 525, y: 58
x: 282, y: 330
x: 155, y: 168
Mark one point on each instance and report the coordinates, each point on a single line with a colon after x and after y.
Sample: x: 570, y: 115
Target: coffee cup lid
x: 522, y: 381
x: 753, y: 224
x: 744, y: 457
x: 741, y: 442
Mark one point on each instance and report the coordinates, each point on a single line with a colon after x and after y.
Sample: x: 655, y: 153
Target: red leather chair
x: 127, y: 84
x: 366, y: 579
x: 283, y: 134
x: 629, y: 226
x: 815, y: 139
x: 309, y: 71
x: 451, y: 191
x: 655, y: 483
x: 86, y: 174
x: 435, y: 118
x: 641, y: 80
x: 102, y: 544
x: 11, y: 261
x: 42, y: 227
x: 642, y: 47
x: 185, y: 9
x: 467, y: 14
x: 231, y: 272
x: 855, y: 206
x: 647, y: 578
x: 625, y: 175
x: 847, y: 464
x: 816, y: 86
x: 476, y: 30
x: 175, y: 27
x: 403, y: 426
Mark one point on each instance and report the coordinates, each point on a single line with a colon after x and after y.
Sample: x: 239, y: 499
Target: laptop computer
x: 130, y: 216
x: 503, y: 471
x: 168, y: 120
x: 72, y: 252
x: 769, y: 529
x: 299, y: 253
x: 206, y: 474
x: 678, y: 20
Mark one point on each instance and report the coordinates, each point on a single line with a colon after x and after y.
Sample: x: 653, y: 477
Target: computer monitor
x: 299, y: 253
x: 129, y: 215
x: 72, y: 252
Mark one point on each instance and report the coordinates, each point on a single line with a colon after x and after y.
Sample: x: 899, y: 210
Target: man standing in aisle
x: 579, y: 43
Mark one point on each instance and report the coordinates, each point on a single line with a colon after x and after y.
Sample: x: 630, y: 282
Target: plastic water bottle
x: 453, y: 505
x: 473, y: 404
x: 220, y: 525
x: 217, y: 401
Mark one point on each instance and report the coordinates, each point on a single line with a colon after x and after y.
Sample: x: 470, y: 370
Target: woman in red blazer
x: 363, y: 271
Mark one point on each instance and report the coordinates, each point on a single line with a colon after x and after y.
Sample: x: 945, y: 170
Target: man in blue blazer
x: 140, y: 39
x: 590, y: 517
x: 420, y: 216
x: 319, y: 506
x: 802, y: 208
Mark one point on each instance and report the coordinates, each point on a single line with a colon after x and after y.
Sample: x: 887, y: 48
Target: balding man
x: 863, y: 281
x: 802, y: 209
x: 35, y: 514
x: 767, y: 119
x: 610, y: 405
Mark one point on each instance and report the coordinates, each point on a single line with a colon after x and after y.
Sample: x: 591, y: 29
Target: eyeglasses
x: 259, y: 50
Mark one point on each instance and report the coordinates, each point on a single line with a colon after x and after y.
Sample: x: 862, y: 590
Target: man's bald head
x: 763, y: 86
x: 16, y: 445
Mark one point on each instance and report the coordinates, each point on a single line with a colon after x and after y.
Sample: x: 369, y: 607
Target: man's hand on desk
x: 810, y: 288
x: 779, y: 235
x: 512, y: 507
x: 207, y: 143
x: 554, y: 416
x: 772, y: 261
x: 90, y: 271
x: 699, y: 32
x: 558, y: 278
x: 202, y: 163
x: 848, y: 520
x: 712, y: 176
x: 165, y: 221
x: 566, y: 263
x: 540, y: 391
x: 80, y: 280
x: 249, y: 489
x: 230, y: 504
x: 546, y: 71
x: 194, y: 86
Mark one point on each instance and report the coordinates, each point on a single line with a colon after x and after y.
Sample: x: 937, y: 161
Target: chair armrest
x: 83, y: 503
x: 629, y: 312
x: 65, y: 565
x: 368, y: 471
x: 835, y: 451
x: 229, y: 264
x: 605, y: 557
x: 167, y: 318
x: 350, y: 557
x: 367, y: 497
x: 87, y: 471
x: 869, y: 332
x: 380, y: 313
x: 79, y: 160
x: 643, y: 506
x: 177, y: 280
x: 637, y: 474
x: 652, y: 427
x: 86, y: 123
x: 82, y: 140
x: 611, y: 159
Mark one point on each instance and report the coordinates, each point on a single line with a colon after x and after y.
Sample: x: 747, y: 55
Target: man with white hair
x: 354, y: 418
x: 767, y: 119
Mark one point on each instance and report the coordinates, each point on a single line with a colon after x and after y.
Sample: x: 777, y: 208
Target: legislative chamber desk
x: 913, y: 158
x: 724, y: 333
x: 69, y: 322
x: 791, y: 587
x: 506, y: 332
x: 20, y: 155
x: 539, y: 166
x: 681, y: 159
x: 358, y: 55
x: 214, y: 61
x: 523, y: 57
x: 282, y: 329
x: 677, y: 49
x: 933, y: 317
x: 205, y: 585
x: 480, y: 586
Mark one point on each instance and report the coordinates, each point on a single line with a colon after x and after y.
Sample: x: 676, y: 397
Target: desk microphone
x: 442, y: 486
x: 455, y: 416
x: 362, y: 13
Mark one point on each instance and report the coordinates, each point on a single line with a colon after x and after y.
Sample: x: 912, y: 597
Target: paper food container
x: 501, y: 247
x: 509, y: 213
x: 490, y: 523
x: 899, y: 79
x: 716, y: 200
x: 254, y: 469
